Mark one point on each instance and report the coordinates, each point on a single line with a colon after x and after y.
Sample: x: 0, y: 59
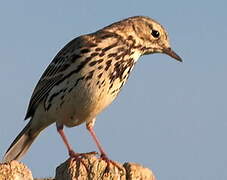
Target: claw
x: 78, y: 157
x: 103, y: 155
x: 109, y: 161
x: 72, y: 154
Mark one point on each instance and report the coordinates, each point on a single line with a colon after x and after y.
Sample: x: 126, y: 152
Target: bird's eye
x: 155, y: 33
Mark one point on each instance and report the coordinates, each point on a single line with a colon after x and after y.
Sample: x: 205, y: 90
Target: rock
x: 88, y: 167
x: 92, y: 168
x: 14, y: 170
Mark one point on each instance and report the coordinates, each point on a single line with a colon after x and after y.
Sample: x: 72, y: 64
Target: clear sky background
x: 170, y: 116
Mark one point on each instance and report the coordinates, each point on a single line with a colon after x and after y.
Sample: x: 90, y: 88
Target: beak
x: 172, y: 54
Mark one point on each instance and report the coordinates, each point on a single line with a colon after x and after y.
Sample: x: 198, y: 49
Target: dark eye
x: 155, y: 33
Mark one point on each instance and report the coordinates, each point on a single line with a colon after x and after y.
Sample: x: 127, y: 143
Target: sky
x: 170, y: 117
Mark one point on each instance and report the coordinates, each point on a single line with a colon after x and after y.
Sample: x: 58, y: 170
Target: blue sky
x: 170, y: 116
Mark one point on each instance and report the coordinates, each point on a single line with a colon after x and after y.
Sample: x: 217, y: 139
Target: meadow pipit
x: 86, y: 76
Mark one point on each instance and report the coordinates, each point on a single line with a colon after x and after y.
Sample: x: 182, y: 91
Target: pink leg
x: 65, y: 140
x: 68, y: 146
x: 95, y: 138
x: 101, y: 150
x: 72, y: 154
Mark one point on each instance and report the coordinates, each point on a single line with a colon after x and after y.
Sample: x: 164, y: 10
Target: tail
x: 21, y: 144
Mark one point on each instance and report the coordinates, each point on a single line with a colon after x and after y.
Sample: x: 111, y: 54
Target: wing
x: 55, y: 72
x: 73, y: 53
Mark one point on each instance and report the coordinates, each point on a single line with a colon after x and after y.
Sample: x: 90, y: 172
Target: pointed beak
x: 172, y: 54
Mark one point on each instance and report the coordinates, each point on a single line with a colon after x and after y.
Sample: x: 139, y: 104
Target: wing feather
x: 69, y: 54
x: 53, y: 74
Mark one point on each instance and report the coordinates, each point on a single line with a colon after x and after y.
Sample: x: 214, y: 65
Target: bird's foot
x: 78, y: 157
x: 109, y: 161
x: 73, y: 154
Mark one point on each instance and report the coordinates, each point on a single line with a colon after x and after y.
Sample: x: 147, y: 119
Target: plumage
x: 86, y: 76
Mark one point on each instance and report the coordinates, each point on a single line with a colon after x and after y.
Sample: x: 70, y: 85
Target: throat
x: 136, y: 56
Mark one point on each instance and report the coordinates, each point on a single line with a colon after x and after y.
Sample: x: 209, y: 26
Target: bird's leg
x: 65, y: 140
x: 103, y: 155
x: 95, y: 138
x: 72, y: 154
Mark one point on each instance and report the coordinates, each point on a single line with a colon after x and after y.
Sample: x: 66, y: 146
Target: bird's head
x: 152, y: 36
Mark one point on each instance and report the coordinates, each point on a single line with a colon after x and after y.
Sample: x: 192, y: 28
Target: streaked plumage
x: 86, y: 76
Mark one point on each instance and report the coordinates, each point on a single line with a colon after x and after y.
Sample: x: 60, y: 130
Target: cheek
x: 154, y: 43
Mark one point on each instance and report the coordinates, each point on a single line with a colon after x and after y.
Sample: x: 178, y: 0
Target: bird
x: 85, y: 77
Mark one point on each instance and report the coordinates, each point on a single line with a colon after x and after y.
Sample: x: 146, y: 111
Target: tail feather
x: 21, y: 144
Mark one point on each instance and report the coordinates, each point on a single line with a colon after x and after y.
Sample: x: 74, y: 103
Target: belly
x: 81, y: 103
x: 84, y: 96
